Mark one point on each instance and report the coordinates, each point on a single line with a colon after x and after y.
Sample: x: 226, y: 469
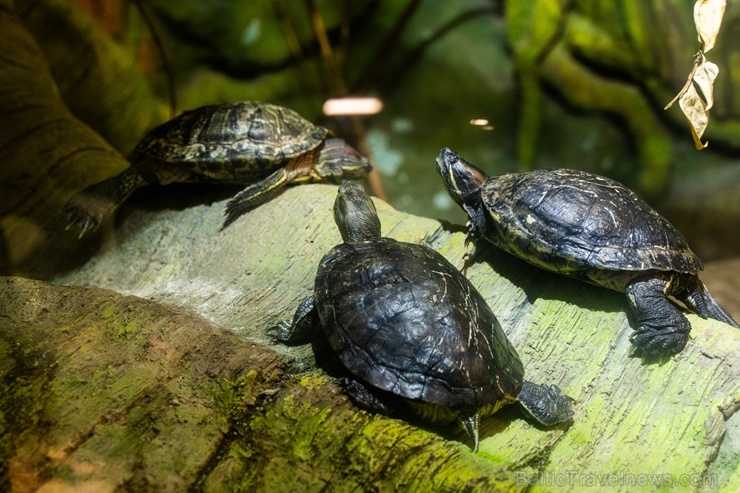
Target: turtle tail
x: 254, y: 195
x: 697, y: 296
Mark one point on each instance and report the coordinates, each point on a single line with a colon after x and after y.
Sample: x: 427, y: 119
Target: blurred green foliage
x: 563, y: 83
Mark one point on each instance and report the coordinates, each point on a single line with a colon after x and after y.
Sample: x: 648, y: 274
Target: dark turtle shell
x: 405, y: 320
x: 571, y: 221
x: 232, y: 141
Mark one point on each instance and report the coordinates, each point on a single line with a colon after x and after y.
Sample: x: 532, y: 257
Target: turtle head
x: 339, y: 161
x: 462, y: 179
x: 355, y: 215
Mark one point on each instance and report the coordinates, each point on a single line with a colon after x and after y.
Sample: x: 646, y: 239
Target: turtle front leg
x: 662, y: 329
x: 471, y: 424
x: 254, y: 195
x: 299, y: 330
x: 476, y: 228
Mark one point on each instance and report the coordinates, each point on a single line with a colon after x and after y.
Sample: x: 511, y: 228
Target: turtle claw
x: 86, y: 209
x: 254, y: 195
x: 662, y: 329
x: 651, y: 341
x: 299, y: 330
x: 83, y: 214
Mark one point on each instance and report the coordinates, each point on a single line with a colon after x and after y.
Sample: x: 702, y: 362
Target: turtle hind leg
x: 87, y: 208
x: 697, y: 297
x: 662, y: 329
x: 546, y: 404
x: 369, y: 397
x: 254, y: 195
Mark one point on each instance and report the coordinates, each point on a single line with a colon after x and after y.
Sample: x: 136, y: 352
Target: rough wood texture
x: 102, y: 392
x: 633, y: 418
x: 109, y: 393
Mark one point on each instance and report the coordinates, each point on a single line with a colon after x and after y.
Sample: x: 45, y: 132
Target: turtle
x: 412, y: 331
x: 591, y: 228
x: 262, y: 145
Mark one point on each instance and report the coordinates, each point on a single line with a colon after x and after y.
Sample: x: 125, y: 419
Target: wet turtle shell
x: 231, y: 141
x: 403, y: 319
x: 578, y: 224
x: 261, y: 145
x: 592, y: 228
x: 406, y: 323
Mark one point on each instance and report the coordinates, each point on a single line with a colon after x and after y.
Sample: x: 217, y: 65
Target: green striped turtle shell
x: 232, y: 141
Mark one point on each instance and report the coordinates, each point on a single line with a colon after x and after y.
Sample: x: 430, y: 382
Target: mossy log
x: 117, y: 392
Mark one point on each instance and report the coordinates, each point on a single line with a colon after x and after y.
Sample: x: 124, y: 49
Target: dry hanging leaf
x: 704, y: 77
x: 695, y: 110
x: 697, y: 60
x: 696, y: 97
x: 708, y: 17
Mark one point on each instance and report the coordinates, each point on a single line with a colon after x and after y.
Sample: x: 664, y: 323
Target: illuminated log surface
x: 108, y: 391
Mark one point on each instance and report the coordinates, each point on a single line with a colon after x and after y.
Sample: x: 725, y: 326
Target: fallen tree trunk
x: 636, y: 423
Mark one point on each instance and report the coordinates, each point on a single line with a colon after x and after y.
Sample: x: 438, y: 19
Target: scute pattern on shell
x: 570, y: 221
x: 247, y: 136
x: 404, y: 319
